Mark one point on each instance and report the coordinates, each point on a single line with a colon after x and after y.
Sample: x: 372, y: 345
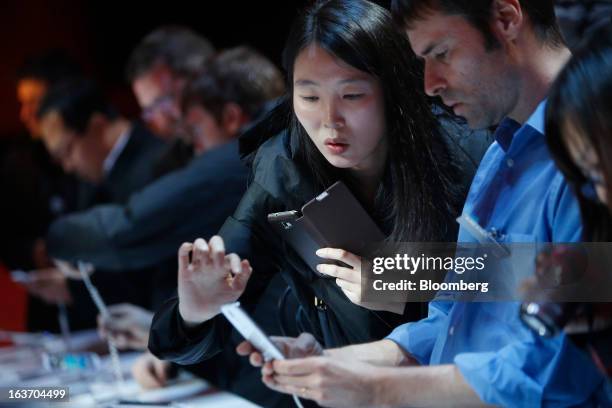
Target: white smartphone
x: 251, y: 331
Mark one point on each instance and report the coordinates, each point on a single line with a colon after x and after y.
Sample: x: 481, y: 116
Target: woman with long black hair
x: 579, y: 136
x: 579, y: 132
x: 355, y: 112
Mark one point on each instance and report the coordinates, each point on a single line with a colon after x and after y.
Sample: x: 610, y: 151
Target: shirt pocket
x: 518, y: 266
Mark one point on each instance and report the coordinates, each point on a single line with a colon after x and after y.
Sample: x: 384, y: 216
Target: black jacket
x: 132, y: 171
x: 279, y: 185
x: 134, y: 168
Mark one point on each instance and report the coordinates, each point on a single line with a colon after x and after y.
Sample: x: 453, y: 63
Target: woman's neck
x: 367, y: 182
x: 369, y: 174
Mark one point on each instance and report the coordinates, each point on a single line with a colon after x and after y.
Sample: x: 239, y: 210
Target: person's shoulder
x: 276, y: 169
x: 277, y: 147
x: 219, y: 157
x: 140, y: 134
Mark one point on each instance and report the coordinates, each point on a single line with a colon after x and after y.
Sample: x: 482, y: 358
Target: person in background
x: 85, y: 134
x: 157, y: 70
x: 36, y: 185
x: 35, y: 78
x: 578, y: 130
x: 578, y: 20
x: 114, y: 156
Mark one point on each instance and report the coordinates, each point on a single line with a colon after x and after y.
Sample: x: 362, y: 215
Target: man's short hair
x: 76, y: 101
x: 240, y: 75
x: 51, y: 67
x: 541, y: 14
x: 184, y: 52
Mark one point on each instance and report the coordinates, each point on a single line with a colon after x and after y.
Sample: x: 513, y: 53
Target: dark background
x: 100, y: 35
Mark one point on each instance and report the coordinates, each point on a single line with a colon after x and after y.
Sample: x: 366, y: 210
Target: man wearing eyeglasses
x: 158, y: 69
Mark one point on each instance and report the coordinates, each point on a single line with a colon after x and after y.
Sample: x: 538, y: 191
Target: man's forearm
x: 380, y: 353
x: 431, y: 386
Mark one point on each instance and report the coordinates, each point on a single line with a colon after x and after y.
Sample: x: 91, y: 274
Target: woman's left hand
x: 349, y: 279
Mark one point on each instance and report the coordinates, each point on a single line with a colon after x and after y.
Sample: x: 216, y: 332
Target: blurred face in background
x: 30, y: 92
x: 207, y: 131
x: 203, y: 128
x: 79, y: 154
x: 157, y: 92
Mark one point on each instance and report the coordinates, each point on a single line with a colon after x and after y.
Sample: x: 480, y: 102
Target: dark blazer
x: 152, y: 224
x: 279, y: 185
x: 133, y: 169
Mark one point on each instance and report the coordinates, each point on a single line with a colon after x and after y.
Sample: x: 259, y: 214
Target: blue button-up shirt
x: 519, y: 196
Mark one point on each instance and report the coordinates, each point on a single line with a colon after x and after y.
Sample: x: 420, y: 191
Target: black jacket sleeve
x: 246, y: 233
x: 181, y: 206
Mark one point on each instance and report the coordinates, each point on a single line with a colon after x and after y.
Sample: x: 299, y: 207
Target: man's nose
x: 434, y: 82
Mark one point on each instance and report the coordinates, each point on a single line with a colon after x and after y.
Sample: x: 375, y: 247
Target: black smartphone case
x: 333, y: 219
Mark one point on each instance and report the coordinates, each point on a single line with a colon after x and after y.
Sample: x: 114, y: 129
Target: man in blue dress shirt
x: 492, y: 62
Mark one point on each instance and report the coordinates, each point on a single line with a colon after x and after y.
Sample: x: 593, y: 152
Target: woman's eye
x: 310, y: 98
x: 353, y: 96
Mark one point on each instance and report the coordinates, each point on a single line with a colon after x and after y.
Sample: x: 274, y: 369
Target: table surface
x: 21, y: 367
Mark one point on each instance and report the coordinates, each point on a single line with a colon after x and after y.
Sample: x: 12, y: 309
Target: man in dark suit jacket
x: 114, y: 158
x: 83, y: 132
x: 157, y: 69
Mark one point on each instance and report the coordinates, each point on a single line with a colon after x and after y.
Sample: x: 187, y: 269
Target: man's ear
x: 507, y: 19
x: 233, y: 118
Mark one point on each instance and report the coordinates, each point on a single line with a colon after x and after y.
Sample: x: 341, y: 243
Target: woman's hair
x: 582, y: 96
x: 417, y: 199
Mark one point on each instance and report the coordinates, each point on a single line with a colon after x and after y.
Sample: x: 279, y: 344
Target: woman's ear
x: 233, y: 118
x: 507, y: 19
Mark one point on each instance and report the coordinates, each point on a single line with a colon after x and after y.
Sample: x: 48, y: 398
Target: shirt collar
x: 115, y: 152
x: 508, y: 127
x: 505, y: 132
x: 536, y: 120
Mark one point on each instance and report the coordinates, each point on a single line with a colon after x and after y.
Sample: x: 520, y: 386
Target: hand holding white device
x: 253, y: 333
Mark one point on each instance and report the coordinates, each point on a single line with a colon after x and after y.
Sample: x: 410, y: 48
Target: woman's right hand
x: 209, y: 279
